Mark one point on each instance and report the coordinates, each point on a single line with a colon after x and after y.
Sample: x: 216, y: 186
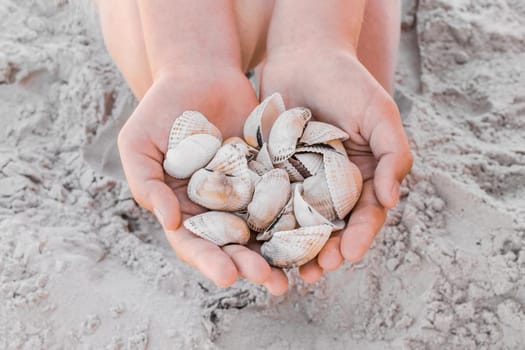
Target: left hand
x: 340, y: 91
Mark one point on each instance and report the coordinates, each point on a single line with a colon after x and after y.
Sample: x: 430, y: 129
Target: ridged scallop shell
x: 270, y: 196
x: 295, y: 247
x: 218, y: 191
x: 191, y: 123
x: 231, y: 159
x: 337, y: 145
x: 285, y: 132
x: 285, y: 221
x: 293, y: 172
x: 219, y: 227
x: 190, y: 154
x: 310, y: 162
x: 249, y: 151
x: 261, y: 119
x: 262, y: 163
x: 319, y: 132
x: 317, y: 194
x: 344, y: 182
x: 306, y: 215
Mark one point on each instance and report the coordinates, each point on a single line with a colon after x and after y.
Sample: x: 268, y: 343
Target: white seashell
x: 295, y: 247
x: 262, y: 163
x: 218, y: 191
x: 190, y: 154
x: 293, y: 172
x: 317, y: 194
x: 219, y: 227
x: 344, y: 182
x: 261, y: 119
x: 285, y: 132
x: 310, y: 162
x: 319, y: 132
x: 319, y: 149
x: 285, y: 221
x: 270, y: 196
x: 338, y: 146
x: 249, y: 151
x: 306, y: 215
x: 191, y: 123
x: 231, y: 159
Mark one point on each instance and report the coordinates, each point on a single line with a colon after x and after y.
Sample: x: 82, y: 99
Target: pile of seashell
x: 289, y: 180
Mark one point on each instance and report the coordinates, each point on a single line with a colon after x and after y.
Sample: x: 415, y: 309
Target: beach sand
x: 83, y: 267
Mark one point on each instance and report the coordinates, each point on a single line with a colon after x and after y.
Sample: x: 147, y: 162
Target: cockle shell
x: 215, y: 190
x: 295, y: 247
x: 190, y: 154
x: 306, y: 215
x: 231, y: 159
x: 293, y: 172
x: 319, y: 132
x: 310, y: 162
x: 219, y: 227
x: 285, y: 132
x: 261, y: 119
x: 262, y: 163
x: 191, y: 123
x: 337, y: 145
x: 344, y: 182
x: 283, y: 222
x: 270, y: 196
x: 317, y: 194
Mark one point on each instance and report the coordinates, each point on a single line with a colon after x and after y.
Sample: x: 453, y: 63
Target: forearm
x: 315, y: 23
x: 189, y: 33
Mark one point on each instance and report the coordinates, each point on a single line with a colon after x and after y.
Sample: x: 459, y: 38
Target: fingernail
x: 395, y: 193
x: 159, y: 216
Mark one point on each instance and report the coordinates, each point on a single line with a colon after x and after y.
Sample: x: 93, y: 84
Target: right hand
x: 226, y: 98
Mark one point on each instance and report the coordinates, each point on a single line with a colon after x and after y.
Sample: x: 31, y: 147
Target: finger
x: 142, y: 165
x: 250, y: 265
x: 330, y: 257
x: 311, y: 272
x: 388, y: 142
x: 203, y: 255
x: 277, y: 283
x: 365, y: 221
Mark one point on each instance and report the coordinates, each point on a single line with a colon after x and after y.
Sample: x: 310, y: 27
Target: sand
x: 83, y: 267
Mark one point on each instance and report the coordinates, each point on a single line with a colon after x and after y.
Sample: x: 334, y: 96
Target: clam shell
x: 285, y: 221
x: 191, y: 123
x: 306, y: 215
x: 249, y: 151
x: 319, y: 132
x: 285, y: 132
x: 231, y: 159
x: 218, y: 191
x: 261, y: 119
x: 317, y: 194
x: 344, y: 182
x: 262, y: 163
x: 310, y: 162
x: 294, y: 174
x: 270, y: 196
x: 295, y: 247
x: 190, y: 154
x: 337, y: 145
x: 219, y: 227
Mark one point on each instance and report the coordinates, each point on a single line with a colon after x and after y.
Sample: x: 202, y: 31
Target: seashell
x: 231, y: 160
x: 190, y: 154
x: 261, y: 119
x: 293, y: 172
x: 262, y: 163
x: 249, y: 151
x: 338, y: 146
x: 319, y: 132
x: 310, y: 162
x: 306, y: 215
x: 285, y: 221
x: 218, y: 191
x: 191, y: 123
x: 295, y: 247
x: 285, y: 132
x: 270, y: 196
x: 219, y: 227
x: 344, y: 182
x: 317, y: 194
x: 318, y: 148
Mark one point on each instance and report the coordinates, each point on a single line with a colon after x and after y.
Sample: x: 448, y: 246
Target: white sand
x: 81, y: 266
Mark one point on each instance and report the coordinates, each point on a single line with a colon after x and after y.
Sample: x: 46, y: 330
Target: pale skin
x: 336, y: 57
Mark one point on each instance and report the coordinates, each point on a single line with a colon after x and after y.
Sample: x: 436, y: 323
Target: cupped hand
x: 340, y: 91
x: 226, y: 97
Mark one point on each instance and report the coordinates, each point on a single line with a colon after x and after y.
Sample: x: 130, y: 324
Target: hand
x: 340, y: 91
x: 226, y: 97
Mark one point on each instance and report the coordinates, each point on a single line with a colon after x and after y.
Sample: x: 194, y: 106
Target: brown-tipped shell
x: 190, y: 154
x: 270, y: 196
x: 344, y: 182
x: 285, y: 132
x: 319, y: 132
x: 305, y: 214
x: 295, y: 247
x: 191, y: 123
x: 219, y: 227
x: 294, y: 173
x: 261, y: 119
x: 317, y: 194
x: 231, y: 159
x: 218, y: 191
x: 285, y: 221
